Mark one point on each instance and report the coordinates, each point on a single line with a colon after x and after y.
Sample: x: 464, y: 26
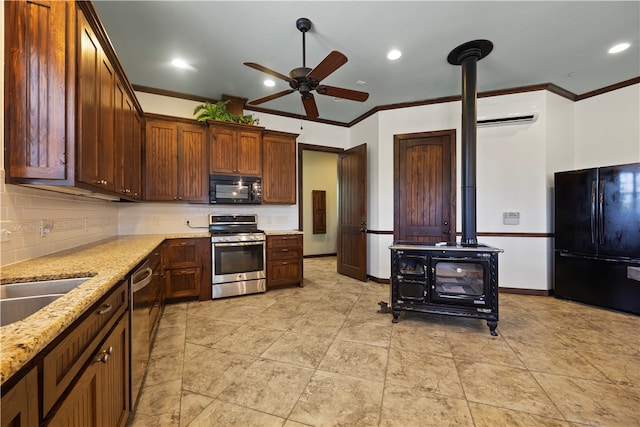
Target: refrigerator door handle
x: 601, y: 212
x: 593, y: 212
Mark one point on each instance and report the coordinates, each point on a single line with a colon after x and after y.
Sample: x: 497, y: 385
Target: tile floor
x: 323, y: 356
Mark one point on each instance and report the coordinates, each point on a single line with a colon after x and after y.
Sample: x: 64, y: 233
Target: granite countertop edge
x: 106, y: 261
x: 276, y: 232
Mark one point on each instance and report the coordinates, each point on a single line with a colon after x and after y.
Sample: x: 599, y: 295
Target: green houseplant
x: 218, y: 111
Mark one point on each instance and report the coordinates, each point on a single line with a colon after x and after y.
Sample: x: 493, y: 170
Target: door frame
x: 309, y: 147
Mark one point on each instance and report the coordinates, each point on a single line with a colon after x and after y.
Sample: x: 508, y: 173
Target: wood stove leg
x: 396, y: 314
x: 492, y: 324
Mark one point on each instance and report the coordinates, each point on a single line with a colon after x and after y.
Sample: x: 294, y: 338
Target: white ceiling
x: 535, y: 43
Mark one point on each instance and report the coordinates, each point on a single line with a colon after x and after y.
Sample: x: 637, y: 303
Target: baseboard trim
x: 537, y: 292
x: 379, y: 280
x: 320, y: 255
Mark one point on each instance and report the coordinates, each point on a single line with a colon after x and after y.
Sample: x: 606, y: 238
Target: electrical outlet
x: 46, y: 227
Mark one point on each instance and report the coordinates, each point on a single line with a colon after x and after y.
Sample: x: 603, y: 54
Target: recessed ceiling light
x: 573, y: 74
x: 394, y: 54
x: 269, y: 83
x: 619, y: 47
x: 361, y: 82
x: 179, y: 63
x: 336, y: 99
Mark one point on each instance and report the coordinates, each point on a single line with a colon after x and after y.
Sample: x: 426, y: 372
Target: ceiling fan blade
x: 270, y: 72
x: 270, y: 97
x: 339, y: 92
x: 310, y: 106
x: 332, y: 62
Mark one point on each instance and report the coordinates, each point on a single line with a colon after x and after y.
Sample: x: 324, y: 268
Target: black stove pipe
x: 467, y: 55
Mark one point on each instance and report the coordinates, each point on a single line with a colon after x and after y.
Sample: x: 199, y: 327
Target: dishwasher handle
x: 141, y: 279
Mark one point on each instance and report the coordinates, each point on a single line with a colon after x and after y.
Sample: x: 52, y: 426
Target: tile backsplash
x: 36, y: 222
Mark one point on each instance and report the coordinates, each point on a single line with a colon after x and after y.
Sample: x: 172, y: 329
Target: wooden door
x: 424, y: 187
x: 192, y: 163
x: 352, y: 213
x: 161, y: 160
x: 36, y: 103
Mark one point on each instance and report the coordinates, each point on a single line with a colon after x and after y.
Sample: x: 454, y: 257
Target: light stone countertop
x: 275, y: 232
x: 107, y: 261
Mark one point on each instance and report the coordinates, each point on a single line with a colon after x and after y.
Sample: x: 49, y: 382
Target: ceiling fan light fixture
x: 394, y: 54
x: 179, y: 63
x: 269, y: 83
x: 619, y: 47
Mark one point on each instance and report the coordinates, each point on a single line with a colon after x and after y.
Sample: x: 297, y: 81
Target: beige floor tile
x: 337, y: 400
x: 275, y: 318
x: 356, y: 359
x: 482, y: 348
x: 249, y: 340
x: 164, y: 367
x: 506, y: 387
x: 595, y: 340
x: 191, y: 406
x: 223, y: 414
x: 207, y: 332
x: 620, y: 368
x: 318, y: 324
x: 378, y: 334
x: 228, y: 311
x: 492, y: 416
x: 299, y: 349
x: 161, y: 401
x: 420, y: 339
x: 208, y: 371
x: 169, y: 340
x: 408, y: 407
x: 268, y: 386
x: 593, y: 402
x: 426, y: 372
x: 559, y: 360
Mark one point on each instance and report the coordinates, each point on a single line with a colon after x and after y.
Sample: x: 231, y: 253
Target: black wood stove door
x: 461, y: 281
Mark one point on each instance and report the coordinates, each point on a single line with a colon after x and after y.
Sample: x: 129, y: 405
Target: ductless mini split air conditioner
x: 511, y: 119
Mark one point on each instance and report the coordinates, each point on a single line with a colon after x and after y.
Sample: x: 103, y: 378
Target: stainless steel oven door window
x: 238, y: 261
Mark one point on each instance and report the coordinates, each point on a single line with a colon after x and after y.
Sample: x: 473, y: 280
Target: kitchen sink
x: 20, y: 300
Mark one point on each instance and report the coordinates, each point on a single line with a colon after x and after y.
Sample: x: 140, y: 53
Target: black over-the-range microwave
x: 233, y: 189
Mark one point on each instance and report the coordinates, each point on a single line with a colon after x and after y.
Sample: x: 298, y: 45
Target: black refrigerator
x: 597, y: 236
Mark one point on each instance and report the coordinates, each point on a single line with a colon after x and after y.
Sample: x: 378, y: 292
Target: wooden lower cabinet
x: 284, y: 260
x: 100, y: 397
x: 20, y: 404
x: 187, y: 269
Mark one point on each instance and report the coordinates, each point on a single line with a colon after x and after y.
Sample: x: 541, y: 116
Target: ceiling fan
x: 305, y: 80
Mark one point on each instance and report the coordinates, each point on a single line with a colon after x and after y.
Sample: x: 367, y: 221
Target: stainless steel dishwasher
x: 139, y: 330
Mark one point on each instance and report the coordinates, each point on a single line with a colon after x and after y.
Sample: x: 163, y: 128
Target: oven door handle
x: 225, y: 245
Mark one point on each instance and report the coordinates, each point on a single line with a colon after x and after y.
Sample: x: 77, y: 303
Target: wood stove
x: 446, y: 279
x: 458, y: 279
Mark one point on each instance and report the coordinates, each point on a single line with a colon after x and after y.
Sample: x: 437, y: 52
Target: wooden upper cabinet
x: 235, y: 149
x: 39, y: 98
x: 279, y: 167
x: 128, y: 148
x: 175, y: 161
x: 96, y: 111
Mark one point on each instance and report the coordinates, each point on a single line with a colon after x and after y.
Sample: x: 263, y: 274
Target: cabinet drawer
x: 64, y: 361
x: 284, y: 253
x: 284, y: 241
x: 284, y: 273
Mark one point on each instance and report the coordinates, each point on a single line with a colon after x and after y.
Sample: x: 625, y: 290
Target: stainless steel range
x: 238, y: 255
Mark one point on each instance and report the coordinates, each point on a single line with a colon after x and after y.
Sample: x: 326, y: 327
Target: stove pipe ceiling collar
x: 467, y: 55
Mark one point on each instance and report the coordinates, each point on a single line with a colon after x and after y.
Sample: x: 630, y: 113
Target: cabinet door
x: 223, y: 151
x: 96, y: 111
x: 36, y: 92
x: 249, y: 155
x: 192, y: 164
x: 101, y: 395
x: 279, y: 169
x: 181, y: 253
x: 20, y: 404
x: 161, y: 160
x: 182, y: 283
x: 136, y: 155
x: 122, y: 136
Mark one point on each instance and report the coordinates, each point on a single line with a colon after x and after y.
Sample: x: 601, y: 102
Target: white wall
x: 608, y: 129
x: 76, y: 221
x: 320, y: 172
